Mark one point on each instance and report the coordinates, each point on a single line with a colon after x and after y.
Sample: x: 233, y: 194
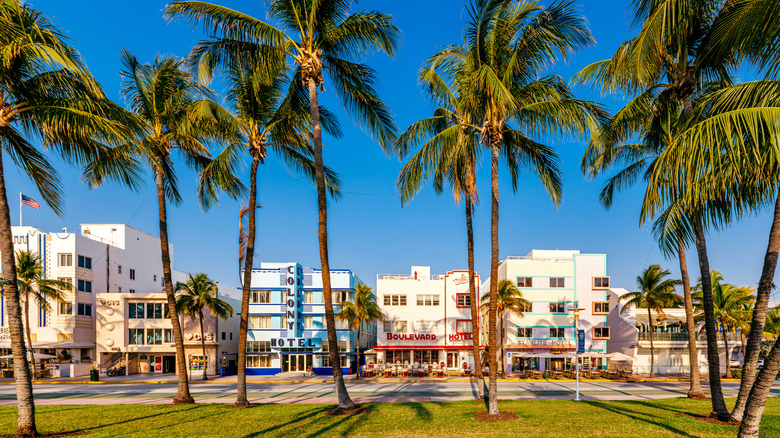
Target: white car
x: 735, y: 363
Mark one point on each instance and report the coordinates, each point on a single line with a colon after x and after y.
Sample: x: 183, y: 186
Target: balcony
x: 683, y: 337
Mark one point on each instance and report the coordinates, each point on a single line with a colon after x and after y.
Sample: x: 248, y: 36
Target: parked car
x: 735, y: 363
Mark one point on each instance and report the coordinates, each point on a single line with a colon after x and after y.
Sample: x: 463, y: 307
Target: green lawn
x: 537, y: 418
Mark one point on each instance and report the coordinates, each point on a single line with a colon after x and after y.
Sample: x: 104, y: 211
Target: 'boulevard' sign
x: 296, y: 342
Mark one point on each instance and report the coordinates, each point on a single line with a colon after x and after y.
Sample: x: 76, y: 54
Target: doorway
x: 169, y: 364
x: 296, y: 362
x: 452, y: 359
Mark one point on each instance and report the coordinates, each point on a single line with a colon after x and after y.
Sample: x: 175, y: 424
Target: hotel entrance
x: 296, y: 362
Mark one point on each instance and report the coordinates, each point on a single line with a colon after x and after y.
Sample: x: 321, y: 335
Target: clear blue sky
x: 370, y: 232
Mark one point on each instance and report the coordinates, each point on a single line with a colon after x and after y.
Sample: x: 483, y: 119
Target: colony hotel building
x: 116, y: 313
x: 555, y: 282
x: 287, y: 331
x: 427, y: 319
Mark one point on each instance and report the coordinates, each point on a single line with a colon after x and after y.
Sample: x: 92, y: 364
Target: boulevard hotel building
x: 427, y: 319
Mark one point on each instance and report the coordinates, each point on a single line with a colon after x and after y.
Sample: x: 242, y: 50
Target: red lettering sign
x: 460, y: 336
x: 411, y: 337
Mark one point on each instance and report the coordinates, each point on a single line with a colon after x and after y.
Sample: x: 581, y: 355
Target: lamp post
x: 577, y: 337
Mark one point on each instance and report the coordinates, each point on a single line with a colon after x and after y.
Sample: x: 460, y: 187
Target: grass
x: 537, y: 418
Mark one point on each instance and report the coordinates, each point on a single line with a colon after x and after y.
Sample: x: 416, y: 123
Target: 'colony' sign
x: 294, y: 300
x: 296, y: 342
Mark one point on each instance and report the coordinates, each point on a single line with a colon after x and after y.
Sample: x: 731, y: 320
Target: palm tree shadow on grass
x: 638, y: 416
x: 302, y: 416
x: 130, y: 420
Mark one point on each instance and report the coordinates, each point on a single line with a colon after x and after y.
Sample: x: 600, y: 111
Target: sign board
x: 296, y: 342
x: 580, y: 341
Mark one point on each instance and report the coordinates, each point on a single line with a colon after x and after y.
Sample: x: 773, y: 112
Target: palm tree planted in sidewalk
x: 362, y: 311
x: 323, y: 39
x: 47, y: 94
x: 729, y: 302
x: 34, y: 286
x: 655, y: 293
x: 197, y: 294
x: 178, y: 115
x: 508, y: 299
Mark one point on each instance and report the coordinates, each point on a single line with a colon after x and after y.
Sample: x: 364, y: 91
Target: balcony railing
x: 683, y: 337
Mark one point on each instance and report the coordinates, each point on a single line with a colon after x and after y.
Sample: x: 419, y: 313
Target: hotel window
x: 132, y: 274
x: 557, y: 282
x: 343, y: 346
x: 463, y: 300
x: 463, y: 326
x: 258, y: 346
x: 260, y: 297
x: 155, y: 311
x: 85, y: 262
x: 600, y: 282
x: 65, y: 259
x: 427, y: 300
x: 527, y: 307
x: 84, y: 309
x: 154, y: 278
x: 223, y: 336
x: 168, y: 335
x: 258, y: 361
x: 284, y: 322
x: 136, y: 337
x: 118, y: 269
x: 525, y: 282
x: 600, y: 332
x: 557, y: 332
x: 154, y: 337
x: 66, y: 308
x: 85, y: 286
x: 259, y: 321
x: 425, y: 326
x: 66, y: 280
x: 525, y: 332
x: 326, y: 361
x: 558, y: 307
x: 601, y: 308
x: 132, y: 291
x: 395, y: 326
x: 395, y: 300
x: 308, y: 322
x: 308, y: 297
x: 340, y: 295
x: 119, y: 289
x: 135, y: 310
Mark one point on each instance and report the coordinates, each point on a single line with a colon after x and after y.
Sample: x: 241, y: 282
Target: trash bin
x: 94, y: 376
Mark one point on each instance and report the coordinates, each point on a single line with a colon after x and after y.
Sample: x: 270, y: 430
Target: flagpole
x: 20, y: 209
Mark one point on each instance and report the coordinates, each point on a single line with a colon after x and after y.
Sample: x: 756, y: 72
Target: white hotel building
x: 555, y: 281
x: 111, y: 266
x: 428, y: 319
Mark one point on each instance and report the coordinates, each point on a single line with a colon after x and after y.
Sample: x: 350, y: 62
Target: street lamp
x: 577, y: 336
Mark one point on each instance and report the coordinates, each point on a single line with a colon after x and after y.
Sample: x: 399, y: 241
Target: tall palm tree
x: 269, y: 121
x: 679, y: 43
x: 177, y: 115
x: 46, y: 94
x: 729, y: 302
x: 655, y: 293
x: 319, y: 37
x: 772, y: 327
x: 363, y: 310
x: 508, y: 299
x: 34, y: 286
x: 197, y: 294
x: 507, y: 46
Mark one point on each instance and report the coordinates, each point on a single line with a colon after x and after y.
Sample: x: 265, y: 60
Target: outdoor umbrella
x: 38, y: 356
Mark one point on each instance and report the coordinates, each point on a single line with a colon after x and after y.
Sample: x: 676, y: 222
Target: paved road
x: 321, y: 392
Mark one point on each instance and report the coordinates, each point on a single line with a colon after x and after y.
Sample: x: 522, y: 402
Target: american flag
x: 30, y: 202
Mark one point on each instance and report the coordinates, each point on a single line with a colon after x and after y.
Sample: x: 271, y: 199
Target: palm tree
x: 177, y: 115
x: 507, y: 47
x: 319, y: 37
x: 508, y: 299
x: 34, y: 286
x: 772, y: 327
x: 197, y: 294
x: 46, y: 94
x: 729, y: 302
x: 655, y: 293
x: 268, y: 121
x: 363, y: 310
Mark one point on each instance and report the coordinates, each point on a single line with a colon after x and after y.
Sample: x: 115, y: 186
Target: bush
x: 737, y: 374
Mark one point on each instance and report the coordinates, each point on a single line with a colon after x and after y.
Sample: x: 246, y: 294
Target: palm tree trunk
x: 493, y: 385
x: 501, y: 342
x: 241, y: 399
x: 203, y: 347
x: 710, y: 326
x: 25, y: 403
x: 357, y: 354
x: 183, y: 393
x: 726, y: 344
x: 652, y: 347
x: 756, y: 401
x: 693, y: 352
x: 345, y: 402
x: 755, y: 336
x: 27, y: 331
x: 473, y: 292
